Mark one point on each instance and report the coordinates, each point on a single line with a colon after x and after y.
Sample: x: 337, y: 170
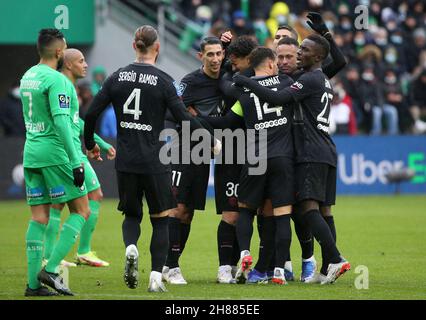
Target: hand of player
x: 226, y: 37
x: 111, y: 153
x: 78, y: 174
x: 316, y: 22
x: 192, y: 111
x: 217, y: 147
x: 95, y: 153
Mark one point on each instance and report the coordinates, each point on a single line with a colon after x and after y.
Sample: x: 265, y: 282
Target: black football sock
x: 330, y: 222
x: 304, y: 235
x: 174, y: 246
x: 282, y: 239
x: 267, y: 245
x: 184, y: 235
x: 225, y: 242
x: 245, y: 228
x: 236, y: 250
x: 131, y: 230
x: 159, y: 243
x: 260, y: 219
x: 322, y: 233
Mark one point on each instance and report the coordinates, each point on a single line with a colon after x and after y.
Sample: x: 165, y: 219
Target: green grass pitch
x: 385, y: 234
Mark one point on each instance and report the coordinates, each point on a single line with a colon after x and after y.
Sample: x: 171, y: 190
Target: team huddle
x: 280, y: 97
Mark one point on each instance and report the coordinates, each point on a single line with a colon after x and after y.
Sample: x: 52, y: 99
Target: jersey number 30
x: 135, y: 95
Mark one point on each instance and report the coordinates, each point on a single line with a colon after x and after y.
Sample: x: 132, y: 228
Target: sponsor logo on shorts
x: 63, y: 101
x: 33, y: 193
x: 57, y: 192
x: 93, y: 181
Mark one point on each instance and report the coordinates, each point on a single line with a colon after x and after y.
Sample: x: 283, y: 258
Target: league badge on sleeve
x: 63, y: 101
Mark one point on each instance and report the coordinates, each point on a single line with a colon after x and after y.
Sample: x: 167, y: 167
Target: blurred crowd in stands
x: 382, y: 90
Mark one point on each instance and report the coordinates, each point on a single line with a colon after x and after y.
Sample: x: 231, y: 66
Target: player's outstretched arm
x: 99, y: 104
x: 275, y: 97
x: 229, y: 121
x: 103, y: 145
x: 316, y: 22
x: 179, y: 112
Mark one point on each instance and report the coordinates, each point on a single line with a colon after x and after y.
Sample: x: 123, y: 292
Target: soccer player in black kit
x: 274, y: 121
x: 316, y: 156
x: 201, y: 94
x: 141, y: 94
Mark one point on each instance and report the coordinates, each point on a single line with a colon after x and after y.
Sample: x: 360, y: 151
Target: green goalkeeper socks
x: 34, y: 244
x: 70, y: 231
x: 52, y: 231
x: 89, y: 227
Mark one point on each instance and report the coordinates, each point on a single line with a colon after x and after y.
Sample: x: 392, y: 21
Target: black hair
x: 259, y: 55
x: 45, y: 38
x: 209, y: 41
x: 242, y: 46
x: 322, y: 43
x: 288, y: 41
x: 145, y: 36
x: 294, y: 33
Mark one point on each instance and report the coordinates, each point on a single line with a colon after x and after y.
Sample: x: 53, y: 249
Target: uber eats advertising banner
x: 362, y: 165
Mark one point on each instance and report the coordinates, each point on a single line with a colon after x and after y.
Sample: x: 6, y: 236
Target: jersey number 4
x: 136, y: 112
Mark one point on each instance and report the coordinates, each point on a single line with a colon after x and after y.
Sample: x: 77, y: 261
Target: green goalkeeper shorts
x: 54, y: 184
x: 90, y: 178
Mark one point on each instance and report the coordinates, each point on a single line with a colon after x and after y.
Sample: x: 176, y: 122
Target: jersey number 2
x: 327, y: 98
x: 135, y: 95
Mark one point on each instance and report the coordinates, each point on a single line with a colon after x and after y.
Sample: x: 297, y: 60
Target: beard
x: 60, y: 63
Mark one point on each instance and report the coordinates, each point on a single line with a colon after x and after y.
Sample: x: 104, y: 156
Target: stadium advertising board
x: 362, y: 166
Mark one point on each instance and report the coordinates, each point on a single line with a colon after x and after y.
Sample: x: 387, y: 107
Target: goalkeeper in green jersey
x: 52, y: 166
x: 75, y: 67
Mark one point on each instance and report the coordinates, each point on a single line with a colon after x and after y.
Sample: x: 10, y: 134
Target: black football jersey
x: 200, y: 91
x: 276, y: 119
x: 313, y: 94
x: 140, y: 94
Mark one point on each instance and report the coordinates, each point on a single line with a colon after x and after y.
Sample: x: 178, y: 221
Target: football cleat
x: 224, y: 275
x: 234, y: 270
x: 63, y: 263
x: 317, y: 278
x: 55, y: 281
x: 155, y: 283
x: 244, y: 269
x: 165, y: 273
x: 309, y: 267
x: 131, y: 274
x: 91, y: 259
x: 40, y: 292
x: 335, y: 270
x: 279, y: 277
x: 255, y: 276
x: 175, y: 276
x: 288, y: 271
